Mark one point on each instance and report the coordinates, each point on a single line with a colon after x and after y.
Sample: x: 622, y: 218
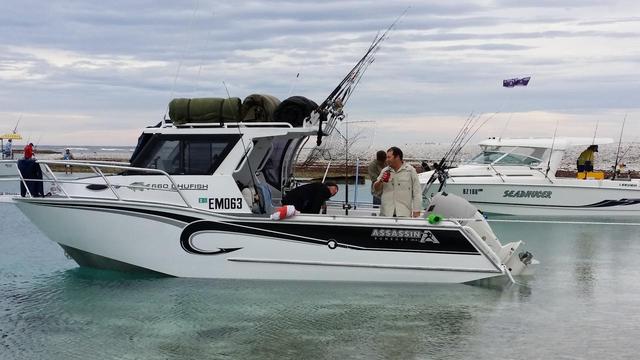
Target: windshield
x: 185, y: 154
x: 510, y: 155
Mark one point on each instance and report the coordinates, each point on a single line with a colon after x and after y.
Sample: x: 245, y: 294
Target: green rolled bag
x: 259, y: 108
x: 254, y: 108
x: 205, y: 110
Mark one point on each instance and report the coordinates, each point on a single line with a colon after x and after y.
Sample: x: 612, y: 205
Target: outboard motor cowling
x: 456, y: 208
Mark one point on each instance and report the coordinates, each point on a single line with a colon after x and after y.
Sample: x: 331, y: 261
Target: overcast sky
x: 95, y: 72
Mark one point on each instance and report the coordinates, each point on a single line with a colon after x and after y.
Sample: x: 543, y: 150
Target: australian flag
x: 516, y: 82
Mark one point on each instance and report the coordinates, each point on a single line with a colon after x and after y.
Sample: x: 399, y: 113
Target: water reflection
x: 84, y: 311
x: 585, y: 291
x: 586, y: 249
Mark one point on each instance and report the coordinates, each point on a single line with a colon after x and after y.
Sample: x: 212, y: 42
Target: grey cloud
x: 485, y: 47
x: 442, y: 58
x: 551, y: 4
x: 612, y: 21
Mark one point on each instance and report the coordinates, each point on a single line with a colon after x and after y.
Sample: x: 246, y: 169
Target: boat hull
x: 562, y: 198
x: 8, y: 169
x: 185, y: 242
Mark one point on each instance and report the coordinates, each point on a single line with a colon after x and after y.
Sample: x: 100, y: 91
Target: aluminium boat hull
x: 185, y: 242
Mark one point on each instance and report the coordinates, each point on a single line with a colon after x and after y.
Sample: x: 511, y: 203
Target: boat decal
x: 432, y: 240
x: 528, y: 194
x: 471, y: 191
x: 165, y: 214
x: 141, y: 186
x: 225, y: 203
x: 609, y: 203
x: 600, y: 204
x: 345, y: 236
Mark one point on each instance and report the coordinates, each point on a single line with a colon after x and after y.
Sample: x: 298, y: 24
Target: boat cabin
x: 216, y: 154
x: 244, y: 155
x: 529, y: 152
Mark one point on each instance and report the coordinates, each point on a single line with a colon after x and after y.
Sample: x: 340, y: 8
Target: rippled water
x: 582, y: 304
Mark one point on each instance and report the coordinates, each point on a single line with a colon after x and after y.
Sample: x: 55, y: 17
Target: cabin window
x: 512, y: 156
x: 185, y: 154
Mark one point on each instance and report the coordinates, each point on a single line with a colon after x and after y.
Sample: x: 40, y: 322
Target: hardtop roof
x: 559, y: 143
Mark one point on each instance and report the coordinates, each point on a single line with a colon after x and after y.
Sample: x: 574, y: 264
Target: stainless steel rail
x: 97, y: 168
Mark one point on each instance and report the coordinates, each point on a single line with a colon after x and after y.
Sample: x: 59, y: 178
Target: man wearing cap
x: 586, y: 158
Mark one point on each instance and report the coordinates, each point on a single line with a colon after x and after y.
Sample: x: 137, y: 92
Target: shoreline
x: 315, y: 172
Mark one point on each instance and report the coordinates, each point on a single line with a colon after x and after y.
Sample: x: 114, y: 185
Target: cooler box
x: 591, y: 175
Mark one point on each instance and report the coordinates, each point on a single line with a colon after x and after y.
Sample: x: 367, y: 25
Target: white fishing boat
x: 180, y: 207
x: 178, y: 210
x: 517, y: 177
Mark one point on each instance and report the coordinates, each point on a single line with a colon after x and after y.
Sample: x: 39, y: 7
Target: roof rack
x: 234, y: 125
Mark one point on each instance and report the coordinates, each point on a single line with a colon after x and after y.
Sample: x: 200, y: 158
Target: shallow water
x: 581, y: 304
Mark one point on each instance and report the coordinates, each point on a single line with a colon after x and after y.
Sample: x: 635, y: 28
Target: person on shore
x: 28, y: 151
x: 587, y: 158
x: 309, y: 198
x: 400, y: 187
x: 67, y: 156
x: 374, y: 169
x: 7, y: 151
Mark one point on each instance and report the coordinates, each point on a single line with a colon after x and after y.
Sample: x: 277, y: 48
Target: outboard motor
x: 457, y: 208
x: 454, y: 207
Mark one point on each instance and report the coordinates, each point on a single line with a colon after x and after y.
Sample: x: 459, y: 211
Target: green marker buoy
x: 434, y: 218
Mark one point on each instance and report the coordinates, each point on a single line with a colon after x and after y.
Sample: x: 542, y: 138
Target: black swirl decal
x: 186, y: 239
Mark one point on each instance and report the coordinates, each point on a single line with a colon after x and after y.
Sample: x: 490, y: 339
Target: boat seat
x: 266, y: 201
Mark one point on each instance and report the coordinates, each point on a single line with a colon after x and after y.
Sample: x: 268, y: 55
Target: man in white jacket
x: 400, y: 186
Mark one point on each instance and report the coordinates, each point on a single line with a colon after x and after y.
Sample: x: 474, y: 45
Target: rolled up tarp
x: 204, y: 110
x: 294, y: 110
x: 259, y: 107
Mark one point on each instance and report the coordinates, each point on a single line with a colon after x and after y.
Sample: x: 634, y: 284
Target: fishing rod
x: 458, y: 143
x: 473, y: 129
x: 331, y: 109
x: 468, y: 130
x: 439, y: 172
x: 615, y: 165
x: 246, y: 154
x: 627, y: 149
x: 458, y: 138
x: 506, y: 125
x: 595, y: 132
x: 346, y: 206
x: 473, y: 134
x: 553, y: 142
x: 15, y: 129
